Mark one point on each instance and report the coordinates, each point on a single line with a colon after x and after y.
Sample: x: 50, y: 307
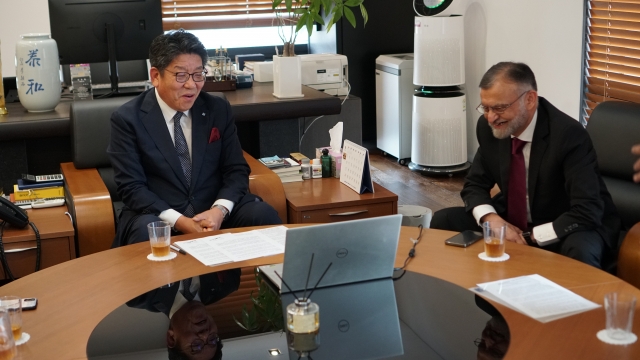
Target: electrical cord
x: 3, y: 257
x: 304, y: 131
x: 411, y: 255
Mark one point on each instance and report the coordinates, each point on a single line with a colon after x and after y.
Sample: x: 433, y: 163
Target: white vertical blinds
x: 612, y: 68
x: 216, y: 14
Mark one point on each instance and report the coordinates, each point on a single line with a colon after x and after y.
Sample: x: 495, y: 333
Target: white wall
x: 19, y: 17
x: 545, y: 34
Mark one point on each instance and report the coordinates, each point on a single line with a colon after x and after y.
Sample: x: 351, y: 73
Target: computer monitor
x: 89, y: 31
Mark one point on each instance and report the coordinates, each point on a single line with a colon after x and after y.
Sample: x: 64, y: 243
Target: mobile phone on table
x: 464, y: 239
x: 29, y: 303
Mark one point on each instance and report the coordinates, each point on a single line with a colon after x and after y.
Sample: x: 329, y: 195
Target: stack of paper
x: 225, y: 248
x: 536, y: 297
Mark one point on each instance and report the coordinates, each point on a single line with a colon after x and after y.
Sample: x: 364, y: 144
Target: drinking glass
x: 619, y: 308
x: 160, y: 238
x: 494, y: 232
x: 7, y: 344
x: 13, y: 304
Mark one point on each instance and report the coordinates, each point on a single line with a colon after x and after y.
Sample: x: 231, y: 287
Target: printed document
x: 225, y: 248
x: 536, y: 297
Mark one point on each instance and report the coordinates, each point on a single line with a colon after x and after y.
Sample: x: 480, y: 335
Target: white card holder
x: 356, y: 170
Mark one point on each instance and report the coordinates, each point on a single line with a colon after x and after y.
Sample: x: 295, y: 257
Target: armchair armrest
x: 267, y: 184
x: 90, y: 206
x: 629, y: 257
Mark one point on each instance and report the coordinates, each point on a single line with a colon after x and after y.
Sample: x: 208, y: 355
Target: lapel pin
x: 202, y: 114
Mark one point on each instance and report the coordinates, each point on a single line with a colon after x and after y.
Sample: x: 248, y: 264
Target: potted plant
x: 299, y: 13
x: 287, y: 77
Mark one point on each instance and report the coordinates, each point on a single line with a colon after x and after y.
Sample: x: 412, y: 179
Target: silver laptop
x: 358, y: 250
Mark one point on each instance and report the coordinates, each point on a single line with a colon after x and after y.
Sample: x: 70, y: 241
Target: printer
x: 325, y: 72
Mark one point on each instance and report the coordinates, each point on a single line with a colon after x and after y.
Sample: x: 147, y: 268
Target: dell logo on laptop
x: 342, y: 253
x: 343, y: 326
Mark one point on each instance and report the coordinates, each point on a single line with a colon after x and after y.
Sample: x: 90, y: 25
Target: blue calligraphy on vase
x: 33, y: 61
x: 34, y: 87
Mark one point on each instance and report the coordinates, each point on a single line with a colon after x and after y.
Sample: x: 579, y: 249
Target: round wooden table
x: 73, y: 297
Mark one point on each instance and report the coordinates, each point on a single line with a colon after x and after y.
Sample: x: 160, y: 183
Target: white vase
x: 38, y: 72
x: 287, y: 77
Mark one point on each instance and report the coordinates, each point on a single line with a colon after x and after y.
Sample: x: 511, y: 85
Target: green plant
x: 301, y: 13
x: 266, y: 312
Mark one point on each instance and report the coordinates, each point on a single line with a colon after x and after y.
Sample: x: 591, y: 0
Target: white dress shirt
x: 171, y: 215
x: 180, y: 300
x: 542, y: 232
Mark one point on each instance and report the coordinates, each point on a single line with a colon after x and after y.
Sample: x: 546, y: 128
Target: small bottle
x: 305, y: 168
x: 303, y: 317
x: 316, y: 169
x: 325, y: 159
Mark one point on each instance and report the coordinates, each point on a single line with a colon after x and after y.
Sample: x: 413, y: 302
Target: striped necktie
x: 183, y: 154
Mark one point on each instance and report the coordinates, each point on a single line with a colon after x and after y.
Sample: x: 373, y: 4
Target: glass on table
x: 619, y: 308
x: 494, y: 232
x: 7, y: 342
x: 13, y: 305
x: 160, y: 238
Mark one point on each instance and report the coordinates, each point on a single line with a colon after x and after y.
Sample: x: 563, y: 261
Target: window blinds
x: 216, y: 14
x: 612, y: 68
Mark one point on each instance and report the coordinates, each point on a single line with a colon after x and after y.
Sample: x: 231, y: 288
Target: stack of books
x: 287, y: 169
x: 27, y: 194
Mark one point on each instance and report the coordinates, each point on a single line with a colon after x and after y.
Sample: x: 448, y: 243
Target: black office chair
x: 614, y: 126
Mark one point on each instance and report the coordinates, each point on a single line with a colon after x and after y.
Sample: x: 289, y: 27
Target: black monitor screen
x: 78, y: 26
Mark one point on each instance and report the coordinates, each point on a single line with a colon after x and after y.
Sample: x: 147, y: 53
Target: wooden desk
x: 254, y: 104
x: 327, y: 200
x: 57, y: 241
x: 76, y: 295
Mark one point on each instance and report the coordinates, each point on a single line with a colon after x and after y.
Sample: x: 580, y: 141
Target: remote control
x: 42, y: 203
x: 31, y: 179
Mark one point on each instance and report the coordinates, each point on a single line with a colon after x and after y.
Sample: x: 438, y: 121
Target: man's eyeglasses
x: 197, y: 345
x: 183, y: 77
x: 498, y: 109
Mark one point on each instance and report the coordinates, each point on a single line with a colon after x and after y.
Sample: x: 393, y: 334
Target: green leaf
x: 288, y: 4
x: 331, y: 22
x: 309, y: 25
x: 365, y: 15
x: 276, y: 3
x: 353, y: 3
x: 301, y: 22
x: 300, y: 11
x: 327, y: 4
x: 350, y: 17
x: 318, y: 19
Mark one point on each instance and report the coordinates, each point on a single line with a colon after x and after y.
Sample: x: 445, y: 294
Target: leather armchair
x: 90, y: 190
x: 614, y: 126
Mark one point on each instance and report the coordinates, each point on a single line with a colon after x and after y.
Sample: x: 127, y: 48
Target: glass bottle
x: 305, y: 167
x: 3, y: 106
x: 325, y: 161
x: 303, y: 317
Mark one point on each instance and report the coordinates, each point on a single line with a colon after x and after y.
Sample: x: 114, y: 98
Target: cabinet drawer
x: 342, y: 213
x: 21, y: 256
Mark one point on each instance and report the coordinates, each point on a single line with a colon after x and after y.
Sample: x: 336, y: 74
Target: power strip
x: 39, y: 204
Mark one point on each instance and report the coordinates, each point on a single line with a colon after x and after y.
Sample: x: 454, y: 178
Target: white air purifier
x: 439, y: 122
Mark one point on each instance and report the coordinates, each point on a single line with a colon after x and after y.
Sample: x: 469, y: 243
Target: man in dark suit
x: 176, y: 153
x: 552, y: 194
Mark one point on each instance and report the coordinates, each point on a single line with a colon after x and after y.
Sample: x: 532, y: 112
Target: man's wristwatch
x: 225, y: 211
x: 527, y: 237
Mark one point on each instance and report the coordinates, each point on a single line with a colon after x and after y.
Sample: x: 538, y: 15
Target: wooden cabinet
x: 57, y: 241
x: 327, y: 200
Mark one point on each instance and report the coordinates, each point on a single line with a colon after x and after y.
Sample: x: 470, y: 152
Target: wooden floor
x: 414, y: 188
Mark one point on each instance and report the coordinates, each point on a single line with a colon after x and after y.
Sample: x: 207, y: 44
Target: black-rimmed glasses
x: 498, y: 109
x: 197, y: 345
x: 183, y: 77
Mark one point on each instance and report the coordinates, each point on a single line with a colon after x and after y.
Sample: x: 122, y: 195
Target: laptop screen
x: 358, y: 250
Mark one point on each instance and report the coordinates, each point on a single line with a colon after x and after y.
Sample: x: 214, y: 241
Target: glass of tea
x: 160, y: 238
x: 7, y: 344
x: 494, y: 232
x: 13, y: 304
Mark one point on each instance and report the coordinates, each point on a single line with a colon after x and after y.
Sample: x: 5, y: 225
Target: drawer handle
x: 349, y: 213
x: 20, y: 250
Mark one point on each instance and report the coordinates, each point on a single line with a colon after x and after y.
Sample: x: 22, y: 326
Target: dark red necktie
x: 517, y: 196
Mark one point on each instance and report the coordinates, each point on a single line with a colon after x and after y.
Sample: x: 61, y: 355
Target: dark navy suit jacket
x: 147, y: 170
